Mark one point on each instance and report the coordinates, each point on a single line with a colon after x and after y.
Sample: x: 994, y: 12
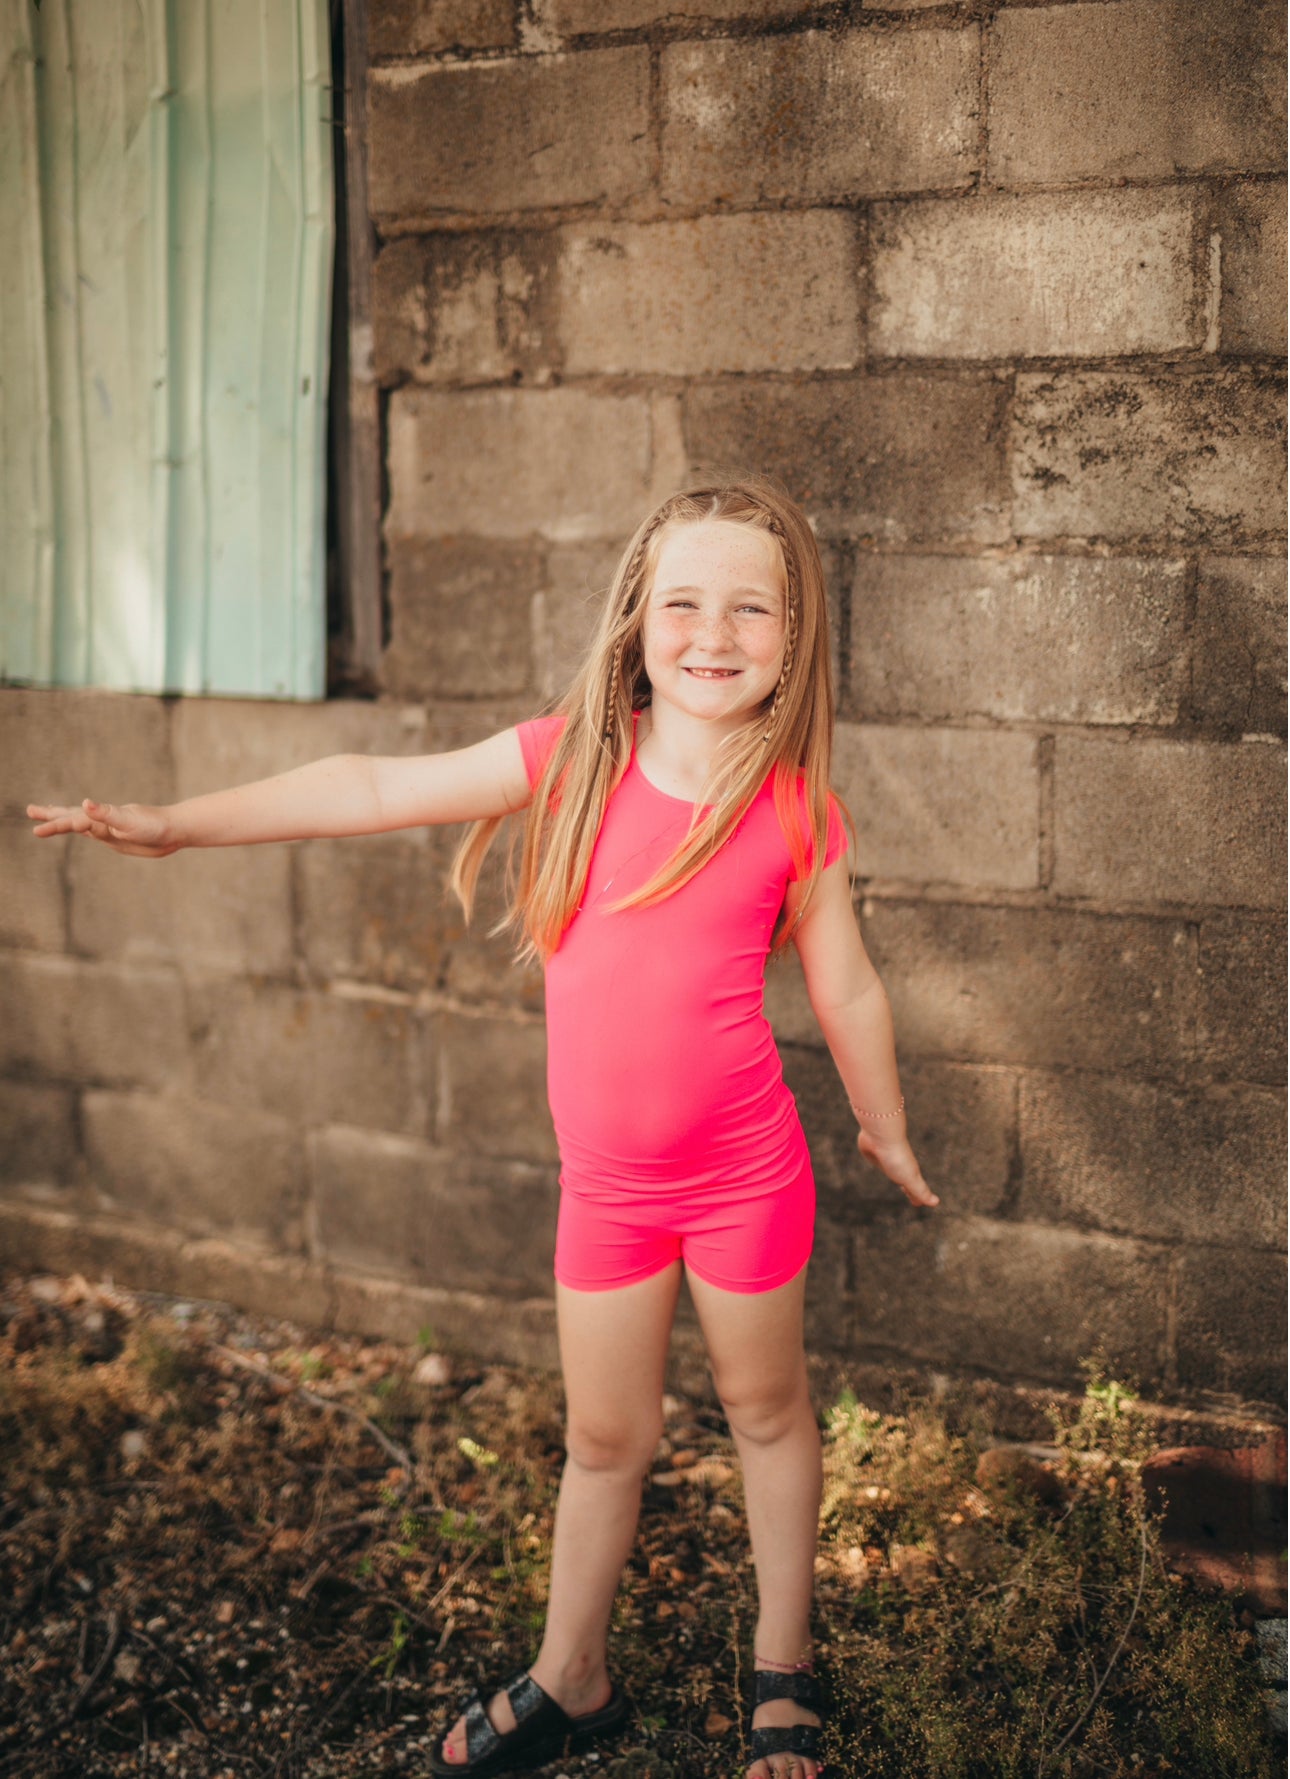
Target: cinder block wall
x: 998, y: 291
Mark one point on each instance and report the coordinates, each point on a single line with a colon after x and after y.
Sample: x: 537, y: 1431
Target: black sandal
x: 543, y: 1731
x: 795, y: 1738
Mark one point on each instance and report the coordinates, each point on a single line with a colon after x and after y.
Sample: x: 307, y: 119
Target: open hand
x: 134, y: 828
x: 897, y: 1160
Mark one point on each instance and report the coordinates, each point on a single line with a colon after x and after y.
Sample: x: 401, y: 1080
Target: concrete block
x: 230, y: 909
x: 121, y: 907
x: 1252, y: 226
x: 492, y: 1088
x: 1242, y: 1009
x: 38, y: 1144
x: 572, y: 18
x: 375, y: 909
x: 962, y: 1126
x: 817, y: 116
x: 142, y: 1257
x: 1239, y: 649
x: 1016, y: 1300
x: 101, y: 1023
x: 1151, y: 820
x: 424, y: 27
x: 1231, y: 1319
x: 1168, y: 456
x: 460, y: 618
x: 465, y: 308
x: 387, y: 1204
x: 1133, y: 1158
x: 190, y: 1165
x: 951, y: 806
x: 566, y: 611
x: 1143, y: 89
x: 757, y: 292
x: 898, y: 458
x: 566, y: 464
x: 1036, y: 986
x: 482, y: 1328
x: 62, y: 745
x: 227, y: 741
x: 309, y: 1057
x: 1074, y: 274
x: 32, y: 898
x: 488, y: 138
x: 1027, y: 638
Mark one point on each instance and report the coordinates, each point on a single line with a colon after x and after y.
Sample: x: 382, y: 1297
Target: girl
x: 679, y: 828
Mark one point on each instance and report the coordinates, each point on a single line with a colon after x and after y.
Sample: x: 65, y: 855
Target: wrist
x: 877, y: 1119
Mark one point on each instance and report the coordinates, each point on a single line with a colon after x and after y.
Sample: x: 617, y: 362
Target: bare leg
x: 755, y: 1343
x: 613, y: 1349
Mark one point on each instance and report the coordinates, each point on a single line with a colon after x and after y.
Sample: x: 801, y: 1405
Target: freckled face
x: 714, y: 619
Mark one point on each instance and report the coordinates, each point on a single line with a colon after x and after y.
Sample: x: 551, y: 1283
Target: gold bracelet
x: 896, y: 1114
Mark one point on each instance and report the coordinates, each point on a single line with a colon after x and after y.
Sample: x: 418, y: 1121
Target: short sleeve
x: 538, y: 740
x: 836, y: 843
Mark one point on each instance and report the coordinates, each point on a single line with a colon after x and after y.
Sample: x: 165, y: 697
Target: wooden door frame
x: 355, y: 596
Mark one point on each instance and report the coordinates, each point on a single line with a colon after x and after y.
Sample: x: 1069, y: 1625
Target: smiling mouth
x: 712, y: 672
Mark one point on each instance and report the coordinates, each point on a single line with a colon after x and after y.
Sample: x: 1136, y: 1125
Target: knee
x: 606, y: 1444
x: 765, y: 1410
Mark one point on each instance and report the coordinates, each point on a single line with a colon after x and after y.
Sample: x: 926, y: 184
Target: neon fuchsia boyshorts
x: 747, y: 1244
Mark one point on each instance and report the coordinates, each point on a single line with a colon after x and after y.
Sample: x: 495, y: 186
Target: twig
x: 109, y: 1649
x: 389, y: 1446
x: 1115, y: 1656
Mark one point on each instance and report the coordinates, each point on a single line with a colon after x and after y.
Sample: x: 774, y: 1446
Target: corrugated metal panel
x: 183, y: 213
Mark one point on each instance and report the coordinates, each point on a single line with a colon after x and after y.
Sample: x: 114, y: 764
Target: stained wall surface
x: 998, y: 291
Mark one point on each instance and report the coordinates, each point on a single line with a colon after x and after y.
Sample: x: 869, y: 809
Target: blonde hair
x: 791, y: 736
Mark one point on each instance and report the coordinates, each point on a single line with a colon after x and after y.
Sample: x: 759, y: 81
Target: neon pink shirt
x: 661, y: 1067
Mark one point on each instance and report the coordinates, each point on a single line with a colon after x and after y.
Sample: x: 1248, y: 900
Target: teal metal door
x: 165, y: 282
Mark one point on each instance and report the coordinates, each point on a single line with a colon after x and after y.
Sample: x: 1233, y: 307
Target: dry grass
x: 228, y: 1548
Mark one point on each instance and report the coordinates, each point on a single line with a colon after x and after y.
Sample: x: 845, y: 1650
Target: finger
x: 60, y: 821
x: 920, y: 1193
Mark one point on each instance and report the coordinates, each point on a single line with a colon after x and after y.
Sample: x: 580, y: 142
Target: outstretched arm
x: 851, y: 1005
x: 344, y: 794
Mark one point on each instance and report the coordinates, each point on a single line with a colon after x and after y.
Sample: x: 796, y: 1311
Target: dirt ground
x: 230, y: 1547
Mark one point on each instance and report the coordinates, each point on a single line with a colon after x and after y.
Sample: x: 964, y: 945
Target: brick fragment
x: 1080, y: 274
x: 460, y: 618
x: 565, y: 464
x: 1252, y: 225
x: 818, y: 115
x: 1142, y: 89
x: 756, y: 292
x: 1239, y: 648
x: 1232, y: 1320
x: 1242, y: 1009
x: 951, y: 806
x: 1027, y: 638
x: 1035, y: 986
x: 534, y: 132
x: 305, y: 1056
x: 1134, y: 1158
x: 423, y: 27
x: 1016, y: 1300
x: 900, y: 458
x: 393, y: 1205
x: 198, y: 1167
x: 492, y: 1088
x: 1170, y: 821
x: 1124, y: 454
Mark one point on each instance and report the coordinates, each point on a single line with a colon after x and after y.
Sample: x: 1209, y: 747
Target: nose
x: 713, y: 630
